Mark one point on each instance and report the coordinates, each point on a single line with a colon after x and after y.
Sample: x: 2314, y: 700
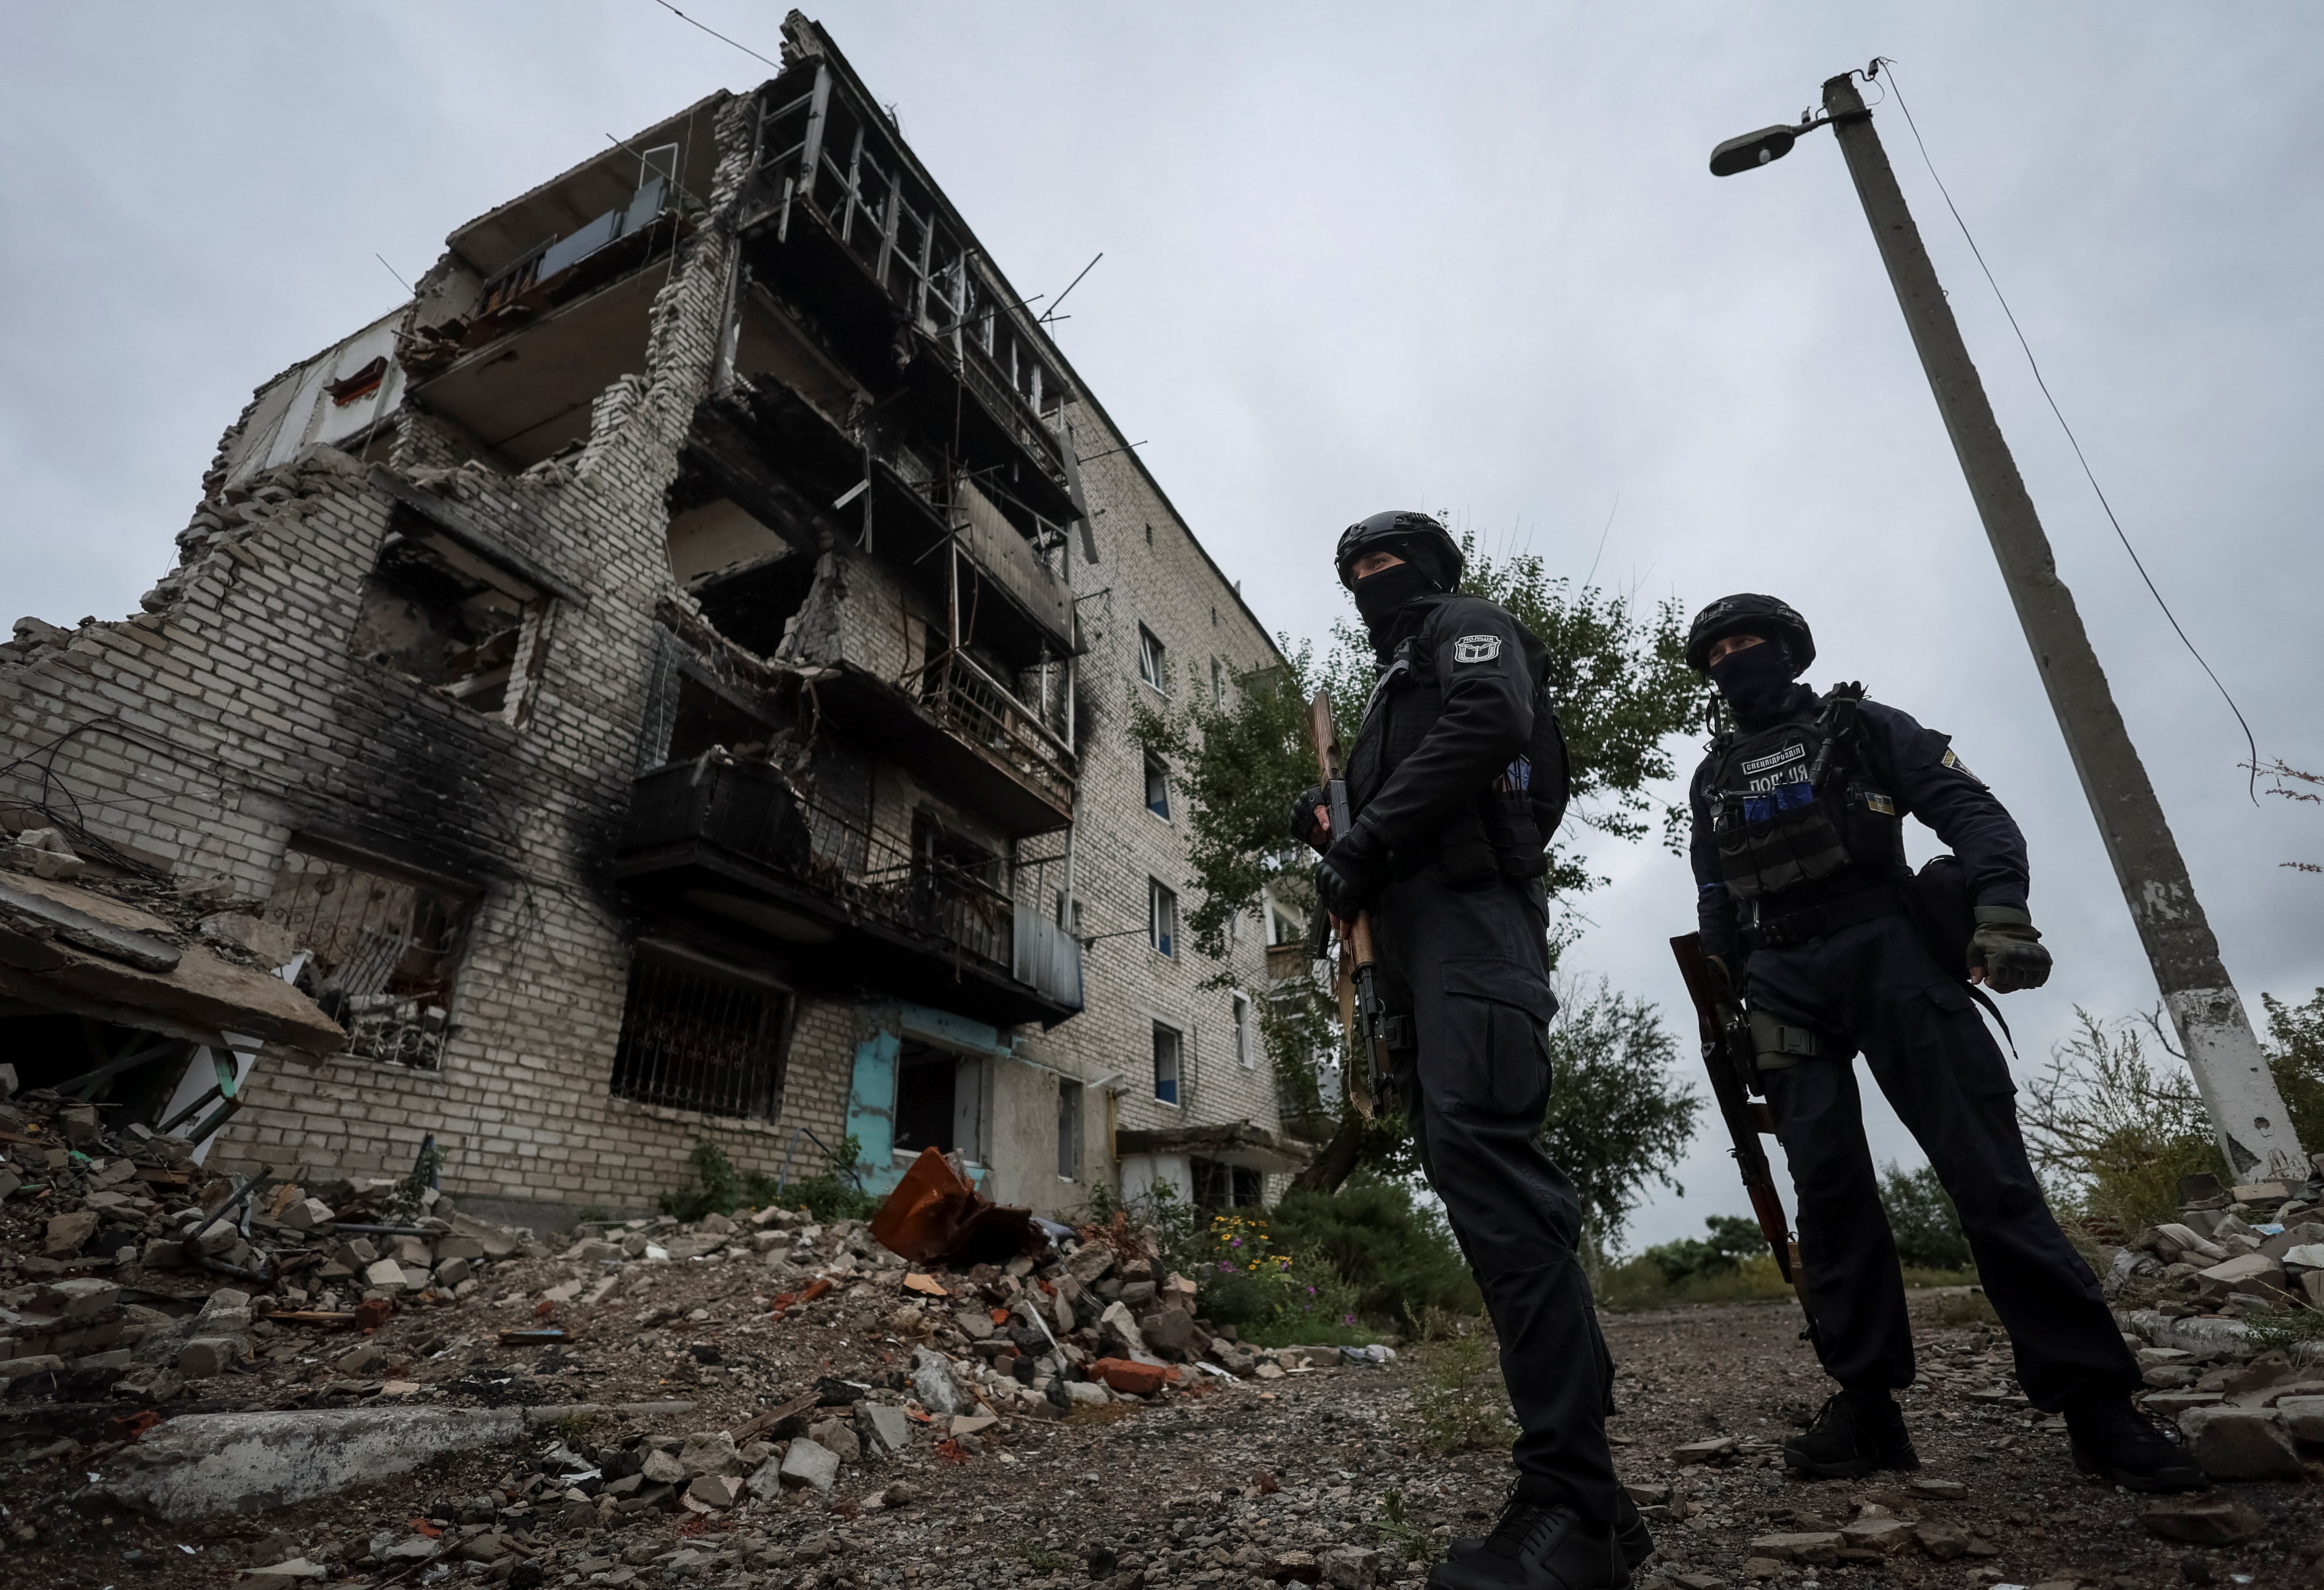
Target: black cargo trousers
x: 1471, y: 966
x: 1875, y: 987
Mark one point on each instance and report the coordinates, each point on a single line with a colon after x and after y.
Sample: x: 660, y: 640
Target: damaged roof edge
x: 612, y: 151
x: 805, y: 40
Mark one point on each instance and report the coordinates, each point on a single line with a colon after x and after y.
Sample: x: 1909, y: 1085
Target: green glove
x: 2008, y: 947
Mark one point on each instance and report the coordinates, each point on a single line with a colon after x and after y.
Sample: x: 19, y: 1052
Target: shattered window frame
x: 1169, y: 1065
x: 1162, y: 917
x: 1153, y: 660
x: 701, y: 1036
x: 1246, y: 1046
x: 438, y: 614
x: 1157, y: 786
x: 382, y: 950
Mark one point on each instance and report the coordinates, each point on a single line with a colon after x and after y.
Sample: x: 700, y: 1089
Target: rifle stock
x: 1746, y: 1120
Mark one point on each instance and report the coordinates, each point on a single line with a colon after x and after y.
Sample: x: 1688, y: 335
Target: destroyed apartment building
x: 671, y: 681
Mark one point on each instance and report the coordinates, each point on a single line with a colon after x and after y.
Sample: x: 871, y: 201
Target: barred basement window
x: 377, y: 952
x: 696, y: 1038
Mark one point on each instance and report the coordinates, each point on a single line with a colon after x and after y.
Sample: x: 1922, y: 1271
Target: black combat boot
x: 1856, y: 1433
x: 1630, y: 1533
x: 2126, y: 1447
x: 1539, y: 1548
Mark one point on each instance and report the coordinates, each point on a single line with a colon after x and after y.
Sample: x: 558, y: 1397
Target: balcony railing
x: 856, y: 870
x: 979, y: 708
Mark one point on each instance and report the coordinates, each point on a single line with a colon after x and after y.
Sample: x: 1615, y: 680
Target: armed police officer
x: 1809, y: 911
x: 1456, y: 781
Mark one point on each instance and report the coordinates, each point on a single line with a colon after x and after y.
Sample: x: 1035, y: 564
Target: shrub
x: 1733, y: 1239
x: 831, y: 1195
x: 1457, y: 1392
x: 1398, y: 1256
x: 2113, y: 1131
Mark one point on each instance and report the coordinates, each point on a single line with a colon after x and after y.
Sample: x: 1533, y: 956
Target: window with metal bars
x: 380, y: 953
x: 693, y: 1040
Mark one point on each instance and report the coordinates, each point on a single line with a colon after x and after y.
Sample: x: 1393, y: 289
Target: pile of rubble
x: 2233, y: 1253
x: 190, y: 1349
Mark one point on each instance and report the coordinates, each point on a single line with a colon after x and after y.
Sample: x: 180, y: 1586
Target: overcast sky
x: 1359, y: 256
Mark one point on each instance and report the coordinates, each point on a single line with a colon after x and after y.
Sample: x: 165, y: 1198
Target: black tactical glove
x: 1303, y: 825
x: 1353, y: 872
x: 2008, y: 947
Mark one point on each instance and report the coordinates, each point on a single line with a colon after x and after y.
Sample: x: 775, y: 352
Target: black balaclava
x: 1757, y: 682
x: 1380, y: 597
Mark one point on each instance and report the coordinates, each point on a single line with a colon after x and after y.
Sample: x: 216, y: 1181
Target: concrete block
x: 885, y: 1428
x: 709, y: 1452
x: 2240, y: 1443
x: 211, y: 1464
x: 810, y: 1463
x: 205, y: 1357
x: 2303, y: 1419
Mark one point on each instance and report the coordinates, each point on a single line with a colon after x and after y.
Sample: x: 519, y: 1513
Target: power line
x: 2073, y: 441
x: 714, y: 33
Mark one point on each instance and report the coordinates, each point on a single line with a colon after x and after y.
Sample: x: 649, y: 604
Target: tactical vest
x: 1787, y: 839
x: 1507, y: 828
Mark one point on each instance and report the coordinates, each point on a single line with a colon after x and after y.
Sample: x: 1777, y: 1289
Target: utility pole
x: 2230, y: 1070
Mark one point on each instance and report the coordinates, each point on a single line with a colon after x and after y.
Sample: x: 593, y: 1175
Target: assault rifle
x: 1727, y: 1055
x: 1359, y: 1002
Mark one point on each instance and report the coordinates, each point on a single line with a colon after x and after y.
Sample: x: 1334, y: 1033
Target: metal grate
x: 697, y: 1043
x: 383, y: 953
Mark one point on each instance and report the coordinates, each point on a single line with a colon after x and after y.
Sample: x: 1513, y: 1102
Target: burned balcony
x: 849, y: 901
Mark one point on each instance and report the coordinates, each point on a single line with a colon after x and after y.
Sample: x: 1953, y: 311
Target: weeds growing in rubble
x: 1401, y: 1539
x: 831, y: 1194
x: 1457, y: 1393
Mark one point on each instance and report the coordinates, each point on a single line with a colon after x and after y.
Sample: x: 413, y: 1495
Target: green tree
x: 1921, y: 1218
x: 1733, y: 1238
x: 1616, y: 1119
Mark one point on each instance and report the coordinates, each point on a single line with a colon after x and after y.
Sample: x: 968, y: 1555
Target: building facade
x: 672, y: 681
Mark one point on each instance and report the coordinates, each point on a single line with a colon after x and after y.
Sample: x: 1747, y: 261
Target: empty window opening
x: 1221, y: 1186
x: 1157, y: 786
x: 1246, y: 1040
x: 1150, y: 535
x: 1169, y: 1064
x: 939, y: 1102
x: 705, y: 718
x: 1284, y: 925
x: 1151, y: 659
x: 1162, y: 916
x: 1069, y: 1131
x: 750, y: 580
x: 961, y: 888
x: 380, y: 954
x: 1218, y: 677
x: 694, y: 1038
x: 441, y: 617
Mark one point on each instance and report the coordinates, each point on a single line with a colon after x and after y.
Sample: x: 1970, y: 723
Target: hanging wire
x: 714, y: 33
x: 2088, y: 474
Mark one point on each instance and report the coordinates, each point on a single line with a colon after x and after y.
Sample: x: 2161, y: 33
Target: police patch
x: 1476, y: 648
x: 1957, y: 764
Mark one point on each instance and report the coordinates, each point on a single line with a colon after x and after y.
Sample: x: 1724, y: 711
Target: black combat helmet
x: 1415, y: 538
x: 1753, y: 614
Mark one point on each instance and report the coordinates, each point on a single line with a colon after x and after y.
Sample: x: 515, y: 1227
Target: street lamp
x: 2230, y: 1070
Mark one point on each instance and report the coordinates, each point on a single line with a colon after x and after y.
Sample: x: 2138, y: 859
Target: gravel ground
x: 1318, y: 1472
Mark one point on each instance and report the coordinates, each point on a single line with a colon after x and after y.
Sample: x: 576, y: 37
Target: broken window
x: 1169, y: 1064
x: 1246, y: 1041
x: 1069, y: 1130
x: 1221, y: 1186
x: 1162, y: 916
x: 939, y: 1102
x: 441, y: 615
x: 699, y: 1037
x: 380, y: 953
x: 1149, y: 658
x: 1157, y: 786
